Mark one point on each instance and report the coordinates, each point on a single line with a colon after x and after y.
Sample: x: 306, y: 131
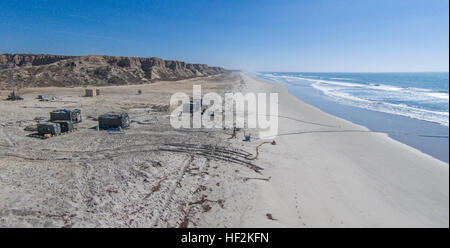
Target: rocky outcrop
x: 18, y: 60
x: 29, y: 70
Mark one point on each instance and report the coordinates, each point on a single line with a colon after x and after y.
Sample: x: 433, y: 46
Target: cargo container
x: 66, y: 115
x: 48, y: 128
x: 66, y: 126
x: 112, y: 121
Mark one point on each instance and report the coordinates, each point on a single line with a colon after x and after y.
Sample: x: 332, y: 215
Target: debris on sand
x: 270, y: 217
x: 14, y: 96
x: 256, y: 178
x: 262, y: 143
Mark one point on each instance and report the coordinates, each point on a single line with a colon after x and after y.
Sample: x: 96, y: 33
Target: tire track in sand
x: 8, y: 138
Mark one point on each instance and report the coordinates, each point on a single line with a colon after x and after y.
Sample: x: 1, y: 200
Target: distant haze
x: 306, y: 36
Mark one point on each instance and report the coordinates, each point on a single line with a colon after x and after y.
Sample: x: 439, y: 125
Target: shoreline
x: 345, y: 179
x: 428, y: 137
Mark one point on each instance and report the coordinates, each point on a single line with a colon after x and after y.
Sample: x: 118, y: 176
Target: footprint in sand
x: 297, y: 207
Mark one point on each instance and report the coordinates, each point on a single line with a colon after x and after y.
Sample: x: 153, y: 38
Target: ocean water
x: 422, y: 96
x: 412, y: 108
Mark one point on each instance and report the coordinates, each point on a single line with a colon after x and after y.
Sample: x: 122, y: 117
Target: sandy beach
x: 155, y: 176
x: 344, y: 179
x: 150, y: 175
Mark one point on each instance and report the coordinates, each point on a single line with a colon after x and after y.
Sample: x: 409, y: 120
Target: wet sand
x: 344, y: 179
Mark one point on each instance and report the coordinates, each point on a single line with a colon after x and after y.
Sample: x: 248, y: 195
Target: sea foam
x: 400, y: 99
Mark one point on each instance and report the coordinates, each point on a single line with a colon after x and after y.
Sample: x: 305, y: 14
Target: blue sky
x: 330, y: 36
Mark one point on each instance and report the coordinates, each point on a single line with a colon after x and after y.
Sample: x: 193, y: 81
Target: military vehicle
x: 66, y: 115
x: 113, y: 121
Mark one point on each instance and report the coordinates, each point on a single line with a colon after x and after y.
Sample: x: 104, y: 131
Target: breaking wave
x: 414, y: 102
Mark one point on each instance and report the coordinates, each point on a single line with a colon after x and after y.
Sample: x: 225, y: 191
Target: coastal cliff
x: 29, y: 70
